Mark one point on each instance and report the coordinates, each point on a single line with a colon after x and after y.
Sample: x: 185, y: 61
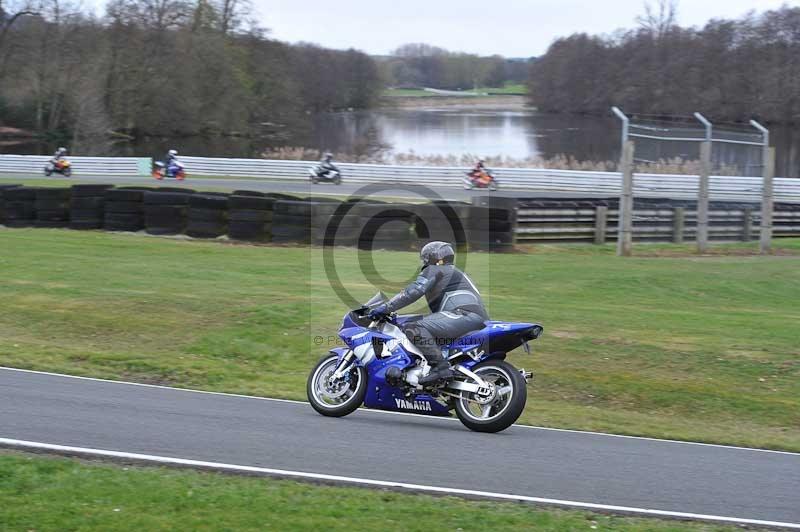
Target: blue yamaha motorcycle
x: 381, y: 368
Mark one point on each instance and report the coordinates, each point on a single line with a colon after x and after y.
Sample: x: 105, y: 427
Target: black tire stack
x: 385, y: 226
x: 165, y: 213
x: 124, y: 209
x: 3, y: 202
x: 87, y: 206
x: 20, y: 206
x: 291, y: 221
x: 492, y: 223
x: 208, y: 215
x: 442, y: 220
x: 250, y: 216
x: 491, y: 229
x: 335, y: 224
x: 52, y: 207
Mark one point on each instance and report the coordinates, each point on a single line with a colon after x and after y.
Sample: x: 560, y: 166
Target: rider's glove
x: 378, y: 312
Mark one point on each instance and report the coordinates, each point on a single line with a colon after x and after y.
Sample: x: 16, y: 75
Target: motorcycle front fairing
x: 378, y: 351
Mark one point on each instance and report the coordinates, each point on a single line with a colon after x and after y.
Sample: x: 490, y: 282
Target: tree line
x: 424, y: 65
x: 728, y: 69
x: 165, y: 67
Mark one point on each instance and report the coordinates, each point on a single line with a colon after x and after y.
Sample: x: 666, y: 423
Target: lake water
x: 516, y: 133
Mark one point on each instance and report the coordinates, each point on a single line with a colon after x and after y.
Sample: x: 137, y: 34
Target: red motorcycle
x: 482, y: 178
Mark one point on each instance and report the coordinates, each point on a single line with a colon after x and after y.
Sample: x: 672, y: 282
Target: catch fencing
x: 522, y: 179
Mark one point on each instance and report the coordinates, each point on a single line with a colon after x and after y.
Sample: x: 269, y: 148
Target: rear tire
x: 315, y: 388
x: 504, y: 374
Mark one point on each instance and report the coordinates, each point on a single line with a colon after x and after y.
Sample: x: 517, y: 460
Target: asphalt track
x: 287, y: 438
x: 413, y: 193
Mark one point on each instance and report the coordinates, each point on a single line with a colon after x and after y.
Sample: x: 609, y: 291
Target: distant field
x: 57, y: 494
x: 411, y: 93
x: 668, y: 346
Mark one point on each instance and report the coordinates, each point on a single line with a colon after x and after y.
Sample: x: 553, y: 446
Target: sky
x: 512, y: 28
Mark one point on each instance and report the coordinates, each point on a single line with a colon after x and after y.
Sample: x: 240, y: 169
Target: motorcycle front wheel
x: 503, y: 407
x: 337, y: 398
x: 67, y: 172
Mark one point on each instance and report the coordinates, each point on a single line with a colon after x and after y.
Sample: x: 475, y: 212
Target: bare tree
x: 660, y: 18
x: 10, y: 13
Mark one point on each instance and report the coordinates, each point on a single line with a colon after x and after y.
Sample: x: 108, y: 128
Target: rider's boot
x: 441, y: 370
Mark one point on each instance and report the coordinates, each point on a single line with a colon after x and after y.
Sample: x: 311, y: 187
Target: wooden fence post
x: 702, y: 197
x: 625, y: 231
x: 678, y: 223
x: 600, y: 224
x: 747, y: 226
x: 767, y: 199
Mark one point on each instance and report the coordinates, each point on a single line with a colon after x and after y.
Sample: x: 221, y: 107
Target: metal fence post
x: 625, y: 231
x: 702, y: 191
x: 625, y: 126
x: 767, y: 202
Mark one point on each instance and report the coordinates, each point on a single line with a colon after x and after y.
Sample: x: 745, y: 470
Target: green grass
x: 407, y: 93
x: 57, y: 494
x: 684, y: 347
x: 508, y: 88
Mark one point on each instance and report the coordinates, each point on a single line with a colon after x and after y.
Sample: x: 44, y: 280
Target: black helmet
x: 433, y: 252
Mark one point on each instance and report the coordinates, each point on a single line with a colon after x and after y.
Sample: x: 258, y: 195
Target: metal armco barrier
x: 104, y: 166
x: 523, y: 179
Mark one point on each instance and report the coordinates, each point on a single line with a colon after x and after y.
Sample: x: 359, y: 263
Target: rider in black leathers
x: 455, y: 303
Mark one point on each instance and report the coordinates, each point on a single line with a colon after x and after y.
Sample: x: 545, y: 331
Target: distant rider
x: 171, y: 162
x: 59, y: 154
x: 455, y: 303
x: 480, y: 173
x: 326, y: 164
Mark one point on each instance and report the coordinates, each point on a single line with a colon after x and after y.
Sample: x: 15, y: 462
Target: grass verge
x: 55, y: 494
x: 683, y: 347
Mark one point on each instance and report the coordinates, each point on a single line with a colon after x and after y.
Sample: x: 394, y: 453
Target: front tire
x: 338, y: 399
x: 67, y: 172
x: 504, y: 408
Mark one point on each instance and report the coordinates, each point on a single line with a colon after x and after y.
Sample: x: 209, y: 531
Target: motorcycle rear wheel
x: 501, y: 411
x: 341, y: 398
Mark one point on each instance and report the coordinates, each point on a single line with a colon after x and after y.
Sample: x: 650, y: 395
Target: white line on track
x: 218, y: 466
x: 388, y: 412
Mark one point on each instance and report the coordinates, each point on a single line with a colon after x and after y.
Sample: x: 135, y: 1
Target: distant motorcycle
x: 174, y: 170
x: 480, y: 179
x: 61, y: 166
x: 319, y: 174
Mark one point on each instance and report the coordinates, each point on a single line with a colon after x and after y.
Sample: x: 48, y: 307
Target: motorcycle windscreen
x: 378, y: 298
